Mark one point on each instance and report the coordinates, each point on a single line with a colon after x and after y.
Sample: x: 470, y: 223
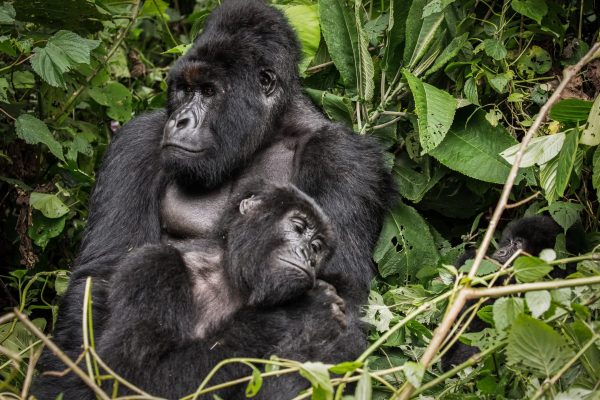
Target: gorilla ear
x: 268, y: 81
x: 249, y: 204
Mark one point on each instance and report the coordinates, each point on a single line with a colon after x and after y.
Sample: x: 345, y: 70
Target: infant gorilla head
x: 274, y: 241
x: 277, y: 240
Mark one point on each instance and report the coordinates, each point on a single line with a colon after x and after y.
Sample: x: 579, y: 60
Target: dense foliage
x: 449, y: 86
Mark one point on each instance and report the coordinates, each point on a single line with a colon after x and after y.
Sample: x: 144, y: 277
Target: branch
x: 461, y: 298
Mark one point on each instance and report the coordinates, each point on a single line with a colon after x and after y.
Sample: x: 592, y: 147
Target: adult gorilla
x: 236, y: 112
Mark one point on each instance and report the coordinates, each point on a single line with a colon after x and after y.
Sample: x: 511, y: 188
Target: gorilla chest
x: 186, y: 214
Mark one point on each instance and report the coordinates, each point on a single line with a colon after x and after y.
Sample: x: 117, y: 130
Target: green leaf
x: 344, y: 367
x: 405, y: 245
x: 21, y: 337
x: 74, y: 15
x: 591, y: 130
x: 364, y: 389
x: 366, y: 71
x: 495, y: 49
x: 49, y: 204
x: 337, y: 108
x: 3, y: 90
x: 571, y: 110
x: 415, y: 180
x: 255, y: 383
x: 61, y: 283
x: 180, y: 49
x: 486, y: 267
x: 499, y: 82
x: 535, y: 347
x: 506, y: 310
x: 534, y: 9
x: 565, y: 214
x: 34, y: 131
x: 7, y: 13
x: 43, y: 229
x: 414, y: 373
x: 435, y: 110
x: 396, y: 34
x: 116, y: 97
x: 377, y: 313
x: 340, y: 34
x: 449, y: 53
x: 535, y: 61
x: 62, y: 53
x: 596, y: 169
x: 414, y: 22
x: 539, y: 151
x: 566, y: 160
x: 548, y: 174
x: 473, y: 149
x: 155, y: 8
x: 429, y: 30
x: 538, y: 302
x: 470, y: 91
x: 531, y: 269
x: 318, y: 375
x: 305, y: 21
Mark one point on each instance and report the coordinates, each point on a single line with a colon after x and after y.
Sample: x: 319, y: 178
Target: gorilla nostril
x: 182, y: 123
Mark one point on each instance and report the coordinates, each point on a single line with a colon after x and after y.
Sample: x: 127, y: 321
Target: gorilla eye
x: 207, y: 90
x: 299, y: 225
x: 189, y: 89
x: 267, y: 79
x: 316, y: 245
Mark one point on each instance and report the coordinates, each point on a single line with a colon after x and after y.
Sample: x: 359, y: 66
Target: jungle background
x: 449, y: 86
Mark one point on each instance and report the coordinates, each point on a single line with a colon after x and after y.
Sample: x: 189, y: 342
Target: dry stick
x: 109, y: 54
x: 35, y: 355
x: 524, y: 201
x: 461, y: 298
x: 529, y: 287
x: 59, y: 353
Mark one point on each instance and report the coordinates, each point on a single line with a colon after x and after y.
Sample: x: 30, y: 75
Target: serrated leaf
x: 435, y: 110
x: 565, y: 214
x: 62, y: 53
x: 405, y: 245
x: 538, y: 302
x: 473, y: 149
x: 535, y: 347
x: 566, y: 160
x: 534, y: 9
x: 591, y: 130
x: 34, y: 131
x: 49, y: 204
x: 116, y: 97
x: 495, y: 49
x: 396, y: 34
x: 449, y: 53
x: 7, y: 13
x: 470, y: 91
x: 339, y: 31
x: 506, y: 310
x: 377, y: 313
x: 539, y: 151
x: 531, y: 269
x: 366, y: 71
x: 571, y: 110
x: 429, y: 30
x: 548, y: 173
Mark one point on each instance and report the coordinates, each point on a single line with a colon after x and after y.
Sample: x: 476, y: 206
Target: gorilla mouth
x: 296, y: 265
x: 180, y: 147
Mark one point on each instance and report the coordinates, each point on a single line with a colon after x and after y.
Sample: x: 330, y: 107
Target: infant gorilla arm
x: 194, y: 304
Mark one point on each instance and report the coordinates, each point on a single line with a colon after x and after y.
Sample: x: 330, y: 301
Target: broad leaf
x: 473, y: 149
x: 538, y: 302
x: 539, y: 151
x: 414, y: 373
x: 565, y: 214
x: 406, y: 244
x: 435, y: 110
x: 534, y: 346
x: 494, y: 48
x: 591, y: 130
x: 506, y: 310
x: 34, y: 131
x: 364, y: 388
x: 43, y: 229
x: 62, y: 53
x: 531, y: 269
x: 304, y: 19
x: 7, y: 13
x: 366, y: 71
x: 534, y: 9
x: 73, y: 15
x: 337, y: 108
x: 339, y: 31
x: 571, y: 110
x: 255, y: 383
x: 397, y: 26
x: 414, y: 21
x: 566, y: 160
x: 318, y: 375
x: 429, y: 29
x: 116, y: 97
x: 449, y: 53
x: 548, y: 173
x: 49, y: 204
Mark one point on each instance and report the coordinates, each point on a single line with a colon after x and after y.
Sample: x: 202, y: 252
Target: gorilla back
x: 235, y: 113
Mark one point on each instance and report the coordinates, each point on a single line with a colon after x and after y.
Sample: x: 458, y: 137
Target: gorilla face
x: 227, y: 92
x: 277, y: 244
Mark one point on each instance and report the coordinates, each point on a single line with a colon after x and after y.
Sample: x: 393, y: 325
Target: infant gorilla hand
x: 327, y: 306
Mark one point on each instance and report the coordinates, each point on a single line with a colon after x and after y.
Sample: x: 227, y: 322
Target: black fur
x: 531, y: 235
x: 243, y: 41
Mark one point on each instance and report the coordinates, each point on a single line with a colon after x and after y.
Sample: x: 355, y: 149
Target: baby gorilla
x: 177, y: 310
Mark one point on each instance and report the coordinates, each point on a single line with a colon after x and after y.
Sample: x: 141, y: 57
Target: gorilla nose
x: 186, y: 118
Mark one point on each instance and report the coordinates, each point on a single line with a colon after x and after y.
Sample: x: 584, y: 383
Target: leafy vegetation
x: 450, y: 87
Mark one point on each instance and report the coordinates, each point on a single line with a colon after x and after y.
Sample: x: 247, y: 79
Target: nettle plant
x: 451, y: 88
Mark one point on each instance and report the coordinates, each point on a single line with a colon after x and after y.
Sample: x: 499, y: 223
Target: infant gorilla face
x: 283, y: 239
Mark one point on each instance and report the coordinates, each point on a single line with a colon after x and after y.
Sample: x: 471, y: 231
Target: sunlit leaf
x: 506, y: 310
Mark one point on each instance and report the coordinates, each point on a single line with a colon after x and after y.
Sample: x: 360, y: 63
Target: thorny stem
x: 461, y: 298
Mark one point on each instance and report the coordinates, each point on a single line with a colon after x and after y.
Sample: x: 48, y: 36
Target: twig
x: 391, y: 122
x: 7, y: 114
x: 109, y: 54
x: 500, y: 291
x: 319, y: 67
x: 33, y: 359
x: 461, y: 298
x: 59, y: 353
x: 524, y: 201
